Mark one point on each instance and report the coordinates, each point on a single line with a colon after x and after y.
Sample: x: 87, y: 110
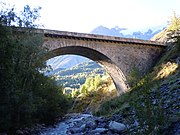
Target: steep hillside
x: 152, y: 105
x: 161, y: 36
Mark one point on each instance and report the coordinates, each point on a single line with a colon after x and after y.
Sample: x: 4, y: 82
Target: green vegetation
x: 174, y: 24
x: 74, y: 77
x: 87, y: 84
x: 151, y: 105
x: 92, y: 93
x: 26, y: 95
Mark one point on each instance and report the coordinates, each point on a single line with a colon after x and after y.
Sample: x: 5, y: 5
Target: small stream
x: 85, y: 124
x: 62, y: 128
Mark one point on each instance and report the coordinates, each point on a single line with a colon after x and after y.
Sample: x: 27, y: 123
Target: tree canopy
x: 26, y: 95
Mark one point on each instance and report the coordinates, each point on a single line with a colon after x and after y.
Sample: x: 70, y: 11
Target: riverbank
x: 87, y: 124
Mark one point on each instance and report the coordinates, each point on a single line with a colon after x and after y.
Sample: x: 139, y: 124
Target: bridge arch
x: 114, y: 71
x: 117, y: 55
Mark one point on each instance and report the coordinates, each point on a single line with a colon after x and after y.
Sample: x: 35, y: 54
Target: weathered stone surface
x: 117, y: 127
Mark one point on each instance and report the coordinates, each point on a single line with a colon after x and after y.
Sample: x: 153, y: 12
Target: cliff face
x: 161, y: 37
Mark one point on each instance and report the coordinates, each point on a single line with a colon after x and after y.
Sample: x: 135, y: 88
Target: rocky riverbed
x: 80, y: 124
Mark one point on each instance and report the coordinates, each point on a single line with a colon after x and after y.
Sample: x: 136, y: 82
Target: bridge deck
x: 94, y: 37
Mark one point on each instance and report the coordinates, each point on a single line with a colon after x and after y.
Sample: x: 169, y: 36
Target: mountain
x: 75, y: 76
x: 123, y: 32
x: 101, y: 30
x: 64, y: 62
x: 83, y: 67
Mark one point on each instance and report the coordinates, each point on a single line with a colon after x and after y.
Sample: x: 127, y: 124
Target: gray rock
x: 82, y: 128
x: 136, y: 123
x: 117, y: 127
x: 102, y: 125
x: 100, y: 119
x: 19, y: 132
x: 78, y: 130
x: 99, y: 130
x: 91, y: 124
x: 75, y: 130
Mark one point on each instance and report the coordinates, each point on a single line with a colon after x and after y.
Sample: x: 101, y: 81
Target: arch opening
x: 110, y: 67
x: 74, y: 72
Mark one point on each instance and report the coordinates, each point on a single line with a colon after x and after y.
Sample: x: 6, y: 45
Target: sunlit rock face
x: 161, y: 37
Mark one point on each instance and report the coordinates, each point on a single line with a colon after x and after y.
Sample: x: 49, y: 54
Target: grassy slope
x: 153, y: 102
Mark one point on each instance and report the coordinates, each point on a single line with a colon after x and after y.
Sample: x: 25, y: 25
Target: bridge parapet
x: 94, y: 37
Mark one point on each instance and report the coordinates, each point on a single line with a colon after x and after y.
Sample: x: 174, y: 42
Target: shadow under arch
x: 116, y: 74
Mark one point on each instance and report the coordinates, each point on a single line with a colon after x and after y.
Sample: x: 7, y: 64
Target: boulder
x: 78, y: 130
x: 117, y: 127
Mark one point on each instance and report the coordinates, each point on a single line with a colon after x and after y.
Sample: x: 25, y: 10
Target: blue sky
x: 85, y: 15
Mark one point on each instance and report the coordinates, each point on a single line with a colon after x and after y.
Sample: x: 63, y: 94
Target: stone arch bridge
x: 118, y: 56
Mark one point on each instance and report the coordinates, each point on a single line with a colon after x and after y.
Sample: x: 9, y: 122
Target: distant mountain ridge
x: 64, y: 62
x: 120, y: 32
x: 116, y: 31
